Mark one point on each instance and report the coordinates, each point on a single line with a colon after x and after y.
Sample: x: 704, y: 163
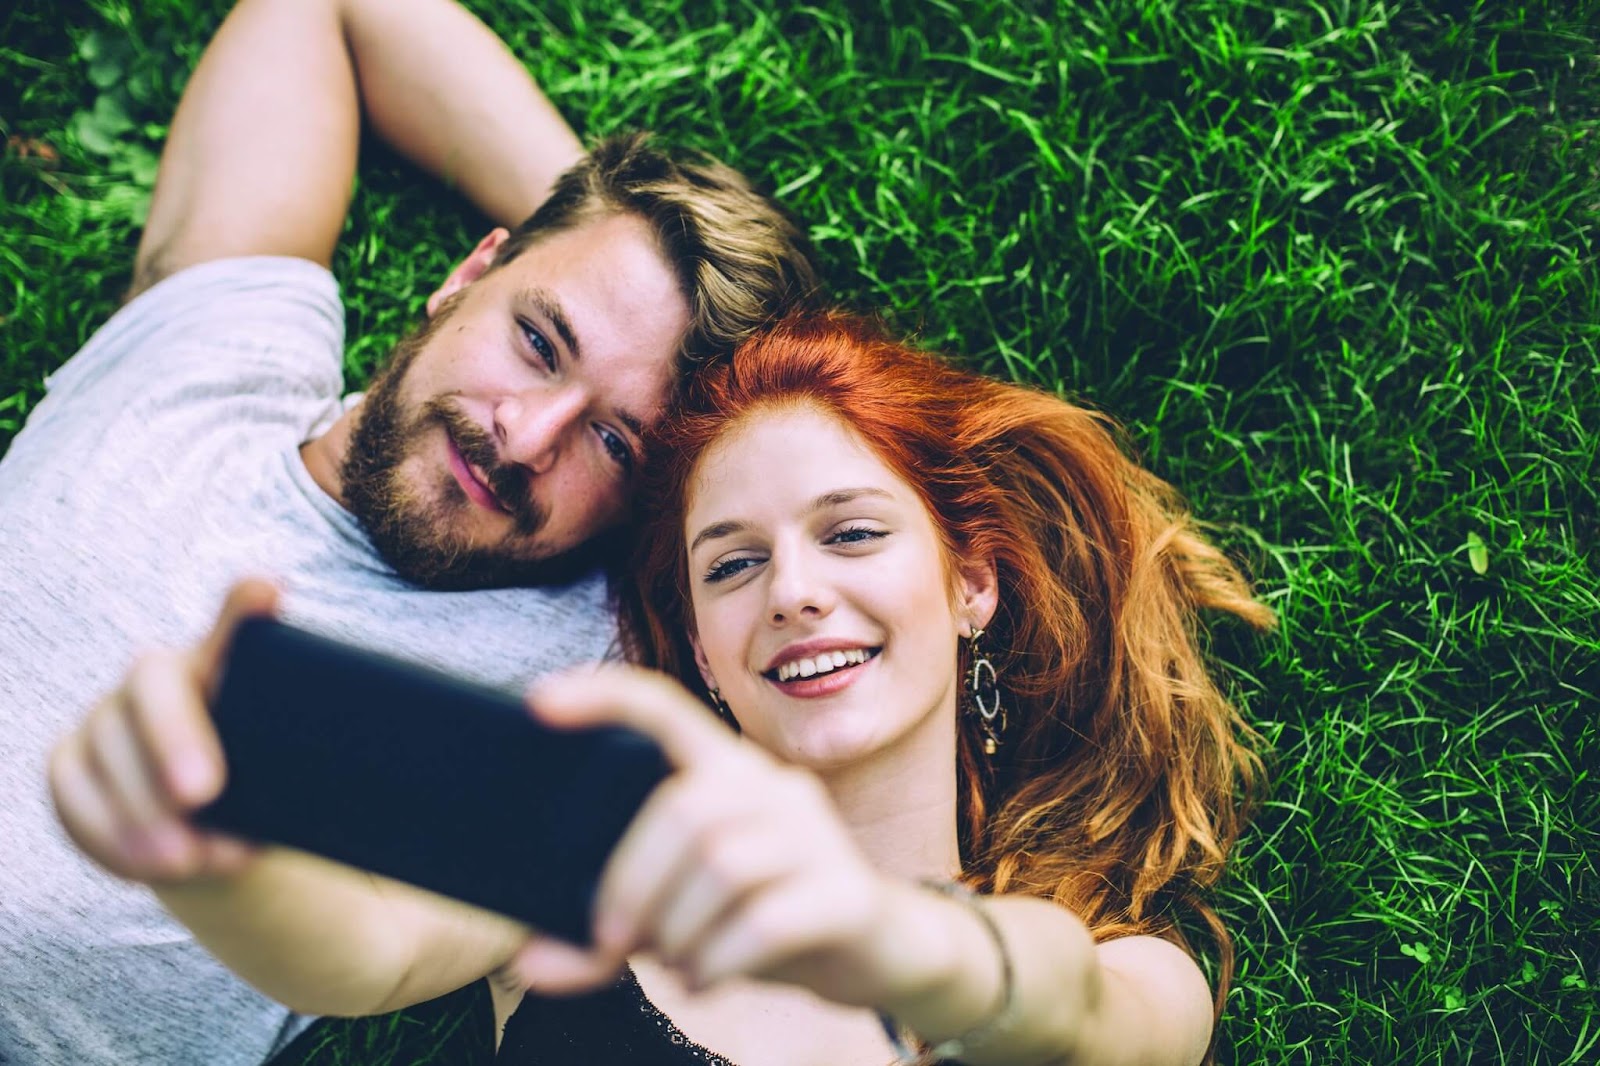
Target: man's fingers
x: 248, y: 598
x: 173, y: 726
x: 125, y: 773
x: 82, y: 805
x: 650, y: 702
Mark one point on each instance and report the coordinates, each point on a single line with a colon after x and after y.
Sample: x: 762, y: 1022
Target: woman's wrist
x: 950, y: 969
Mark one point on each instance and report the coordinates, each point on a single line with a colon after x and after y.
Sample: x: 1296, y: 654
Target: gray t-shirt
x: 162, y: 464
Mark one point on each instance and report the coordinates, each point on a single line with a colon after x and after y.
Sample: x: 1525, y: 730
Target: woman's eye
x: 541, y: 347
x: 616, y: 447
x: 728, y: 568
x: 857, y: 535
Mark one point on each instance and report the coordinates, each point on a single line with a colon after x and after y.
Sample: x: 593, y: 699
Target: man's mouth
x: 472, y: 481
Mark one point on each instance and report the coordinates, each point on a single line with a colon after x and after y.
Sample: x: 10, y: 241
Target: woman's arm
x: 320, y: 937
x: 1136, y: 1000
x: 740, y: 867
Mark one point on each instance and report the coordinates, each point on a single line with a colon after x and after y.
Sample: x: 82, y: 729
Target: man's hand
x: 126, y: 781
x: 262, y: 151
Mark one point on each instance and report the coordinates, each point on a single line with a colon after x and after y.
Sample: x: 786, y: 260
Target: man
x: 199, y: 435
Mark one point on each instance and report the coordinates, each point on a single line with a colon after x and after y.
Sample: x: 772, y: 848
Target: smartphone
x: 422, y: 777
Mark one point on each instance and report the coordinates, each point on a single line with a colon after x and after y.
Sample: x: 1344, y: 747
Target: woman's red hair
x: 1125, y: 775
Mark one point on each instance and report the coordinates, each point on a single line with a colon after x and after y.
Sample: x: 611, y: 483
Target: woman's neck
x: 901, y: 805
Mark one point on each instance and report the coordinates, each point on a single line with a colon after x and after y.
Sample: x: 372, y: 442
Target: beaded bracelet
x: 903, y: 1042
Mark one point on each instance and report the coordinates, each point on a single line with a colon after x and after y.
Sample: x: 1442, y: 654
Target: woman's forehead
x: 787, y: 454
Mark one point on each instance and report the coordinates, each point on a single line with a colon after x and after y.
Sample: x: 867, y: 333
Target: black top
x: 617, y: 1025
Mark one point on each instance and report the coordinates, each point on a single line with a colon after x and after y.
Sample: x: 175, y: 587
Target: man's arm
x: 262, y: 151
x: 320, y: 937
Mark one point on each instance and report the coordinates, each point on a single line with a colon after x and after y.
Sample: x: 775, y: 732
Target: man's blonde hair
x: 741, y: 262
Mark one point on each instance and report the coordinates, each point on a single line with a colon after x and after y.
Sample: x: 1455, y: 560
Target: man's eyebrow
x: 543, y: 301
x: 827, y: 499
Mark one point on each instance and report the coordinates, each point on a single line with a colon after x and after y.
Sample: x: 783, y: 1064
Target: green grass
x: 1336, y: 264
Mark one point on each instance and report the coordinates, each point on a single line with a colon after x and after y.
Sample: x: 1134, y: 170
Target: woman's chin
x: 827, y: 746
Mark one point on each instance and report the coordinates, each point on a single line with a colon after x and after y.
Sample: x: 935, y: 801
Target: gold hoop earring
x: 983, y: 695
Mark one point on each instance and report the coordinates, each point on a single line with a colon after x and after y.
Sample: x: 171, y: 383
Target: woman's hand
x: 146, y: 757
x: 735, y: 866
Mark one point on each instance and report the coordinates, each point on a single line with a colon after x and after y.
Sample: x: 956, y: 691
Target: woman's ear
x: 700, y: 662
x: 977, y: 594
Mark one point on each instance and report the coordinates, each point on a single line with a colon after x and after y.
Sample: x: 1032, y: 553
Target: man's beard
x: 416, y: 536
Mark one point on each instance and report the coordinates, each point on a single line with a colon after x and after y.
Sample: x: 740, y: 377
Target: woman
x: 956, y: 629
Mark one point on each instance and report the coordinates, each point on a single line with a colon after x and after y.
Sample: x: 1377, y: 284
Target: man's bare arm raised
x: 262, y: 151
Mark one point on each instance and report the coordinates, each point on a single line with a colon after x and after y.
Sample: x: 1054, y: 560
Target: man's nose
x: 534, y: 426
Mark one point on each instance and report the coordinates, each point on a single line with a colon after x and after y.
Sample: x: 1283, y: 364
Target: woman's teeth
x: 825, y: 663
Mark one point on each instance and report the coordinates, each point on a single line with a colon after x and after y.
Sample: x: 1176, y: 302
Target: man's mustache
x: 510, y: 482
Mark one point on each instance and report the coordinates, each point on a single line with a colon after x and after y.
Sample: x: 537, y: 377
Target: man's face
x: 506, y: 432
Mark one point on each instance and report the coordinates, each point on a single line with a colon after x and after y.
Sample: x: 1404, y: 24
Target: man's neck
x: 324, y: 455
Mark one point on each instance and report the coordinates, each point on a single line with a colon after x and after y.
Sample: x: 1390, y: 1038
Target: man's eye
x: 541, y: 347
x: 616, y: 448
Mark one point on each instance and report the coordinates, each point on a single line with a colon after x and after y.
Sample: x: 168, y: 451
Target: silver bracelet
x: 904, y: 1043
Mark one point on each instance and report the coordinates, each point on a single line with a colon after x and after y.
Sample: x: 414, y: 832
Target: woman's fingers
x: 555, y: 968
x: 650, y: 702
x: 650, y: 860
x: 711, y: 787
x: 772, y: 935
x: 727, y: 871
x: 735, y: 866
x: 107, y: 782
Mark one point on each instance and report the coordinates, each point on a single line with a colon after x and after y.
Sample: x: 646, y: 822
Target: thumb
x: 251, y: 597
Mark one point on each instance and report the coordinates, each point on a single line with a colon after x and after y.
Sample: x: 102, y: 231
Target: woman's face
x: 824, y: 610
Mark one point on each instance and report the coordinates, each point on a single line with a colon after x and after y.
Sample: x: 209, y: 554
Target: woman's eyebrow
x: 715, y: 530
x: 843, y: 496
x: 835, y: 498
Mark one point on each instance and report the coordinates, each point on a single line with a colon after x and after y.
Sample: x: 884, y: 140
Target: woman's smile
x: 822, y: 673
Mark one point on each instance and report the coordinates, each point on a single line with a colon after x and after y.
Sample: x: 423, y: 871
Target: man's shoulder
x: 501, y: 637
x: 227, y: 272
x: 240, y: 300
x: 245, y: 322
